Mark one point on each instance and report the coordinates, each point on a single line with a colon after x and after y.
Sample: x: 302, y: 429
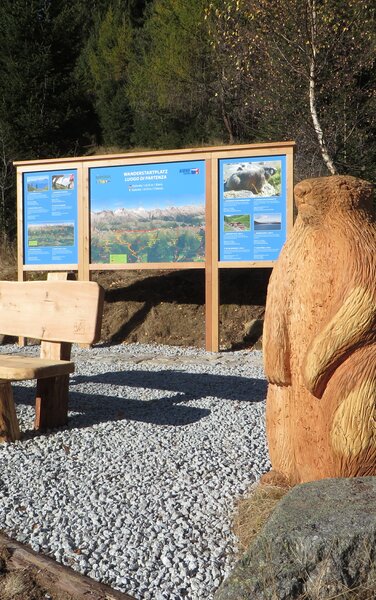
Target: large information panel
x: 252, y: 208
x: 151, y: 213
x: 212, y: 208
x: 50, y: 217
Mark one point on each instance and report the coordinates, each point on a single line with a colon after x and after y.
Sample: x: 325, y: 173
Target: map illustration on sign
x: 252, y: 208
x: 151, y: 213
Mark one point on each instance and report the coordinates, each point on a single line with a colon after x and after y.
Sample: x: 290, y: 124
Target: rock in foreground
x: 319, y: 542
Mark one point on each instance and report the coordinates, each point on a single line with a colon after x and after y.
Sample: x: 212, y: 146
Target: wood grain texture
x: 51, y: 402
x: 19, y: 368
x: 320, y: 336
x: 61, y: 311
x: 57, y: 577
x: 9, y: 428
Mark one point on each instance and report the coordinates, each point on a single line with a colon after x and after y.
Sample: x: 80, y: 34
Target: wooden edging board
x: 215, y: 160
x: 57, y: 577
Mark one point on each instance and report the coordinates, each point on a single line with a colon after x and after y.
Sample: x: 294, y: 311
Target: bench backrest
x: 55, y: 311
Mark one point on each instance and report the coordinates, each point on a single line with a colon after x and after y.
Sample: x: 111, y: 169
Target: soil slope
x: 168, y: 307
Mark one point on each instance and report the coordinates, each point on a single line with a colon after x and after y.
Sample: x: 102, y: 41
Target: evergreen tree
x: 170, y: 77
x: 105, y: 62
x: 41, y: 103
x: 43, y: 112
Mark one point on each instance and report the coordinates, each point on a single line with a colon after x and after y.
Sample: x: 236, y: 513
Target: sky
x: 150, y: 186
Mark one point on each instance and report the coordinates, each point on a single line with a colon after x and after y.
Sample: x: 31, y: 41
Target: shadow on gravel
x: 192, y: 385
x: 87, y: 409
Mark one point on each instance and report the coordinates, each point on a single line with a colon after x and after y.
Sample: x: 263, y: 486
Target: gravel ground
x: 139, y: 490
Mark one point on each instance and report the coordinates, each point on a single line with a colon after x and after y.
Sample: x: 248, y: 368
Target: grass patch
x: 8, y: 260
x: 254, y: 510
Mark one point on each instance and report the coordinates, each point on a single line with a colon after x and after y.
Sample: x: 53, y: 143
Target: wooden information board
x: 200, y: 208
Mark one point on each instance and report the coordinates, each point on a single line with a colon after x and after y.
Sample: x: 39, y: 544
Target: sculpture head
x: 316, y: 199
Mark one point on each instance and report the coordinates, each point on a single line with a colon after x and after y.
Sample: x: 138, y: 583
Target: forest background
x: 79, y: 77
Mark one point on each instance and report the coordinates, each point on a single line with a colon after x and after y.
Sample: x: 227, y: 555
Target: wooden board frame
x: 212, y: 264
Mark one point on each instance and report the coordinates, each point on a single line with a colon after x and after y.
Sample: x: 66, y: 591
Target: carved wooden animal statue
x: 320, y: 336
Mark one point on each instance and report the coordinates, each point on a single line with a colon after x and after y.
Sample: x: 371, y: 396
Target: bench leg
x: 51, y: 403
x: 9, y: 428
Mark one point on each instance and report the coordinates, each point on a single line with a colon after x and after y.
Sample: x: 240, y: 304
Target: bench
x: 58, y: 313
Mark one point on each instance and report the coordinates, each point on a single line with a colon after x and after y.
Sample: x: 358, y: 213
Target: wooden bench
x: 58, y: 313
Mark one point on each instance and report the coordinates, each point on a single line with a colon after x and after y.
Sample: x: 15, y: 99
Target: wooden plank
x: 211, y: 273
x: 20, y: 254
x: 247, y: 264
x: 59, y: 578
x: 51, y: 403
x: 58, y: 311
x: 159, y: 155
x: 9, y: 428
x: 83, y: 224
x: 20, y: 368
x: 57, y: 350
x: 290, y: 190
x: 57, y: 276
x: 146, y: 266
x: 48, y: 267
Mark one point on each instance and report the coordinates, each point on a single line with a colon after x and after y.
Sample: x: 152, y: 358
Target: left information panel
x: 50, y: 217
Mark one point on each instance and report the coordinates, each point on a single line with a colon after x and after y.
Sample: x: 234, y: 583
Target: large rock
x: 319, y: 542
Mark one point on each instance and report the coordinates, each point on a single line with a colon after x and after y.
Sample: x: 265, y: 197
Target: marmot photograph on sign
x: 249, y: 179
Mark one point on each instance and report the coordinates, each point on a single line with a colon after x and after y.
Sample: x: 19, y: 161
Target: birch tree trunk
x: 312, y: 93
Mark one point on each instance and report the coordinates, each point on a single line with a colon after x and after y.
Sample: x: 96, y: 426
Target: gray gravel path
x: 138, y: 491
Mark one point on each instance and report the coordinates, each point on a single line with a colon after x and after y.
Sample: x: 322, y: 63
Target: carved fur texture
x: 320, y: 336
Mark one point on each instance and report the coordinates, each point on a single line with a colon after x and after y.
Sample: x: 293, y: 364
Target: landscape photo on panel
x: 237, y: 223
x: 37, y: 184
x: 267, y: 222
x: 152, y: 213
x: 50, y: 234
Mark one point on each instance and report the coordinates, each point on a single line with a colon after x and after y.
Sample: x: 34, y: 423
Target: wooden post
x: 289, y: 189
x: 83, y: 223
x: 9, y: 428
x: 51, y: 402
x: 211, y: 270
x: 20, y: 253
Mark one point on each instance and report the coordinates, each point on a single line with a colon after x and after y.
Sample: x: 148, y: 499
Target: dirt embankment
x: 168, y: 307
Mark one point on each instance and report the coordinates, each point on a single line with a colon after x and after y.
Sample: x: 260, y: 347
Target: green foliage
x: 41, y: 101
x: 172, y: 73
x: 105, y: 63
x: 170, y: 77
x: 43, y: 112
x: 269, y: 69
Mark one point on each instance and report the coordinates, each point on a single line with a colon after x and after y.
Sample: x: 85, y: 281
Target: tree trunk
x: 312, y: 95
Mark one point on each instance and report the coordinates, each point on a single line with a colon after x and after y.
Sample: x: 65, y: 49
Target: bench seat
x: 18, y: 368
x: 57, y: 312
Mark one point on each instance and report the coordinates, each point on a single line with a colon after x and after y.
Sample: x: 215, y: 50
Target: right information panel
x: 252, y: 208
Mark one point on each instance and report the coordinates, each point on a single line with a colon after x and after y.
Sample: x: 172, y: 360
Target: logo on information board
x: 102, y: 179
x: 195, y: 171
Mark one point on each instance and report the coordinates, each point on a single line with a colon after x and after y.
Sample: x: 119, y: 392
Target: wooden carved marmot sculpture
x: 320, y: 337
